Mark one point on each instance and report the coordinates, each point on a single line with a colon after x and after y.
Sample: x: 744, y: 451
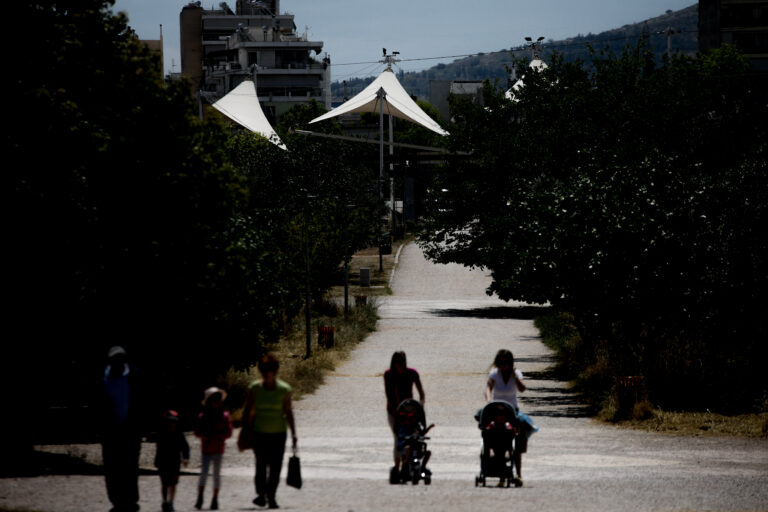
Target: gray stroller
x: 500, y: 426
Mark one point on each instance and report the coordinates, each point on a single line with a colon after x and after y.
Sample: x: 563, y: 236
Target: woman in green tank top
x: 268, y: 415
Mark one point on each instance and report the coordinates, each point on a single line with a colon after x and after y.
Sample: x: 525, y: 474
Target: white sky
x: 355, y: 31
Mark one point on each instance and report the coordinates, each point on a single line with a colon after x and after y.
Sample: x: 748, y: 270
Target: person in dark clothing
x: 121, y: 432
x: 399, y: 381
x: 172, y: 451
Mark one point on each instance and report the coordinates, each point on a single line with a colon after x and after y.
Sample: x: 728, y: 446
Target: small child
x: 214, y: 426
x: 408, y: 431
x: 172, y: 451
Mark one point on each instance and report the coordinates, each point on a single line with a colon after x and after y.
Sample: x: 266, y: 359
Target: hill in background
x: 493, y: 65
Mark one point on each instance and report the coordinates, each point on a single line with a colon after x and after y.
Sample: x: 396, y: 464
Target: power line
x: 567, y: 43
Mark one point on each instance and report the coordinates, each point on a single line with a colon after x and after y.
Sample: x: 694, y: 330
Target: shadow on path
x: 38, y: 463
x: 548, y: 395
x: 495, y: 312
x: 559, y: 404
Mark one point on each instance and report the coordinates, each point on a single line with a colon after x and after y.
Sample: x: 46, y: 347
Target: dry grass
x: 702, y: 424
x: 304, y: 374
x: 380, y: 274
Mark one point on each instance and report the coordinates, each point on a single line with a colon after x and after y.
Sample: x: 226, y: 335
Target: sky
x: 355, y: 31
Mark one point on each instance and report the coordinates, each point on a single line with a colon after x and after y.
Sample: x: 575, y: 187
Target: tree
x: 631, y: 195
x: 326, y: 182
x: 125, y: 211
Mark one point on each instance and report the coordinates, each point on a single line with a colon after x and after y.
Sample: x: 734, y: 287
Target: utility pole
x: 669, y: 33
x: 381, y: 95
x: 388, y: 60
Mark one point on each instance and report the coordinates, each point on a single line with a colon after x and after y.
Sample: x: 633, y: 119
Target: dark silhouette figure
x: 172, y: 451
x: 121, y: 431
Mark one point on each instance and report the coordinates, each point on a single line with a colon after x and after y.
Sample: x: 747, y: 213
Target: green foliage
x: 135, y: 223
x: 127, y: 217
x: 412, y: 133
x: 300, y: 116
x: 320, y: 188
x: 631, y: 195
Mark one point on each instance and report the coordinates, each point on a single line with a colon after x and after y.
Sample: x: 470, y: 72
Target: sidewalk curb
x: 394, y: 267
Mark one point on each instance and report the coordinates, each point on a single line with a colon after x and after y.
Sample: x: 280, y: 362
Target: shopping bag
x: 245, y: 439
x: 294, y: 471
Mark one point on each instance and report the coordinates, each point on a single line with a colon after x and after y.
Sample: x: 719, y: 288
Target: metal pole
x: 381, y: 95
x: 346, y: 279
x: 308, y: 297
x: 391, y: 180
x: 669, y: 40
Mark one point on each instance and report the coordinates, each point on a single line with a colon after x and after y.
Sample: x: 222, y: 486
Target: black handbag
x: 294, y: 471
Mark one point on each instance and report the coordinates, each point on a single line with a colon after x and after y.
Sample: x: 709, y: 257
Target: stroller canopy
x: 492, y: 410
x: 410, y: 411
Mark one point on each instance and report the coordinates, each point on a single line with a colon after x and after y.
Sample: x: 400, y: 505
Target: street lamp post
x: 534, y: 46
x: 308, y: 288
x: 346, y: 260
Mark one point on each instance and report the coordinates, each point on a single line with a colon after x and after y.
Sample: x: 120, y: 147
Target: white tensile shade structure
x: 385, y: 95
x: 536, y: 65
x: 241, y: 105
x: 396, y: 102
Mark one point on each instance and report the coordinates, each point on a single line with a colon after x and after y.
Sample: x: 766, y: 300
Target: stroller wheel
x: 427, y: 479
x: 415, y: 476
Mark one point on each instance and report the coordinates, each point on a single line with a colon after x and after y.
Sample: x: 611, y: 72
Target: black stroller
x: 411, y: 441
x: 500, y: 425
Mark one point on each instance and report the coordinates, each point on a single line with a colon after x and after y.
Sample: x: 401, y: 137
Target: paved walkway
x: 451, y: 330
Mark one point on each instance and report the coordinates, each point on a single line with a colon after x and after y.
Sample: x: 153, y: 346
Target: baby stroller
x: 500, y: 425
x: 411, y: 442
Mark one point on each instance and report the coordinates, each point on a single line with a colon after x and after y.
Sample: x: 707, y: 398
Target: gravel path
x: 450, y: 330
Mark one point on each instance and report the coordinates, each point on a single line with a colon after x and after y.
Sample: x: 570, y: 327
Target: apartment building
x: 743, y: 23
x: 221, y: 47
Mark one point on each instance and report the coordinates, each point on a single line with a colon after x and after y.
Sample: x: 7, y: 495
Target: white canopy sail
x: 397, y: 103
x: 241, y: 105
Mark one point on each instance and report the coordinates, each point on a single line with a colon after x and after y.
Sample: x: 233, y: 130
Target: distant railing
x: 235, y: 66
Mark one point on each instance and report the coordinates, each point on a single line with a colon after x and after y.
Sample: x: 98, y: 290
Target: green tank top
x: 268, y: 405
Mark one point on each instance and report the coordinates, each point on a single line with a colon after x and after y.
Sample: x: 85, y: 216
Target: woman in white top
x: 504, y: 382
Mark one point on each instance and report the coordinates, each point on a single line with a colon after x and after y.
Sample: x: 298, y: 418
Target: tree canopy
x: 632, y: 195
x: 136, y: 223
x: 125, y: 208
